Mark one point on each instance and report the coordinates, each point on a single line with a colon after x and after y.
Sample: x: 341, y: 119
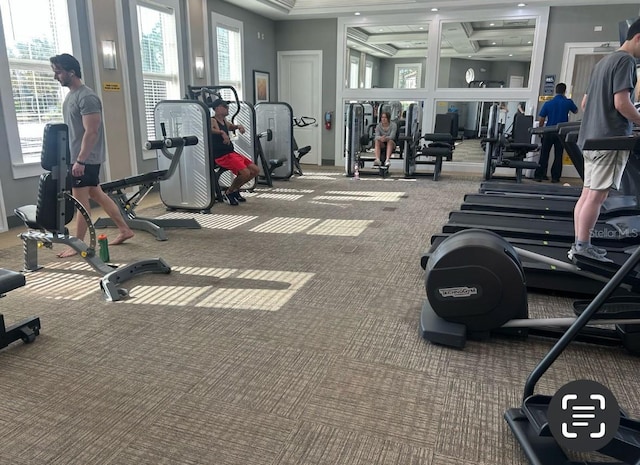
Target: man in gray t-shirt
x: 608, y: 111
x: 82, y: 113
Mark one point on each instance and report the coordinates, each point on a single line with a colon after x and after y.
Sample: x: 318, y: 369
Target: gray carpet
x: 287, y: 333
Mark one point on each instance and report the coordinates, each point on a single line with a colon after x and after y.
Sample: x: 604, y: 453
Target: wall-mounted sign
x: 549, y: 84
x: 111, y: 86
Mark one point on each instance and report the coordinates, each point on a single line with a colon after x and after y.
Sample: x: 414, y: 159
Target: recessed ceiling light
x: 511, y: 54
x: 492, y: 24
x: 357, y: 13
x: 522, y: 4
x: 529, y: 42
x: 493, y: 43
x: 421, y: 28
x: 434, y: 9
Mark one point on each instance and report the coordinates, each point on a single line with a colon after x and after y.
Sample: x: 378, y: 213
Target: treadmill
x: 609, y: 233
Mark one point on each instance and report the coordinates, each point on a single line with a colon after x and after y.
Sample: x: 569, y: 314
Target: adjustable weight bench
x: 27, y: 329
x: 55, y: 209
x: 145, y: 182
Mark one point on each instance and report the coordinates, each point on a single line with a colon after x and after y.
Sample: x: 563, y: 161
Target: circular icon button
x: 583, y: 416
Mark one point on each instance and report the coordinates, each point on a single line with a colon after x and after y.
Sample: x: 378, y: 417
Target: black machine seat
x: 28, y: 329
x: 10, y: 280
x: 28, y: 215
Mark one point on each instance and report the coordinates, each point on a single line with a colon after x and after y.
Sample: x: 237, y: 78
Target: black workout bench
x: 27, y: 329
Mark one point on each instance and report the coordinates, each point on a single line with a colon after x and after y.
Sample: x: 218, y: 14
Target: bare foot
x: 69, y: 252
x: 123, y: 236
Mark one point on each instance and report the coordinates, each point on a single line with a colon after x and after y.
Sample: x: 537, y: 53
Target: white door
x: 577, y: 64
x: 300, y: 85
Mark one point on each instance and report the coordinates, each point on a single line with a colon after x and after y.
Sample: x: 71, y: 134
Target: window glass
x: 229, y: 48
x: 159, y: 53
x: 354, y: 72
x: 31, y: 39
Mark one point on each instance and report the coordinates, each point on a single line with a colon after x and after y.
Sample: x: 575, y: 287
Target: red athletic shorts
x: 233, y: 162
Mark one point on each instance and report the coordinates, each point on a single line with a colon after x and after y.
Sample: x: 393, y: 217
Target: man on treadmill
x: 608, y: 111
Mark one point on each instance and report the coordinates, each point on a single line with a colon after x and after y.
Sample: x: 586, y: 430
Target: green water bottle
x: 103, y: 243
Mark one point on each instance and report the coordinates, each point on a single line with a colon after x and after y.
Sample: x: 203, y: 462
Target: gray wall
x: 575, y: 24
x: 316, y: 34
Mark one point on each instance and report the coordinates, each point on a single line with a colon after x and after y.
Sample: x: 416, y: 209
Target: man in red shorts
x: 225, y: 156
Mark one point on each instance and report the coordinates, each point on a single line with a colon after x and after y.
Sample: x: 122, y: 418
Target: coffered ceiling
x: 480, y: 40
x: 303, y: 9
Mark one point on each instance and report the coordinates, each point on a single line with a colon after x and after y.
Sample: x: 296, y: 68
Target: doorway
x: 300, y: 85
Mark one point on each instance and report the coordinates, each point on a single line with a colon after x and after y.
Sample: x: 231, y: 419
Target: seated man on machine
x: 385, y: 137
x: 225, y: 156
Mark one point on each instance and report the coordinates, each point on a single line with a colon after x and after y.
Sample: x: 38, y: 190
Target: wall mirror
x: 472, y: 119
x: 491, y: 53
x: 389, y: 56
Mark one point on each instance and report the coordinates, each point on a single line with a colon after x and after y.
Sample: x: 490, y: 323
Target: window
x: 159, y: 59
x: 31, y: 39
x: 368, y: 75
x: 229, y: 65
x: 354, y: 72
x: 407, y: 76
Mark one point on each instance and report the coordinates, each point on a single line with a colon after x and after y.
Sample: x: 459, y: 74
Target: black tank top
x: 218, y: 147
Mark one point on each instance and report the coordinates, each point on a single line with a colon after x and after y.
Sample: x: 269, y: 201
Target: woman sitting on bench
x: 385, y: 137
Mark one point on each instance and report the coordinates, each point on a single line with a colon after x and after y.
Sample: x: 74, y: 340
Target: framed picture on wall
x: 260, y: 86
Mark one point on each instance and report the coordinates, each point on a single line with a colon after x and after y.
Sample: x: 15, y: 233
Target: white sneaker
x: 597, y: 250
x: 591, y: 253
x: 376, y: 162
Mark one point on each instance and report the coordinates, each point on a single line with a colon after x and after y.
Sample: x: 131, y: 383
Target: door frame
x: 318, y: 55
x: 571, y: 49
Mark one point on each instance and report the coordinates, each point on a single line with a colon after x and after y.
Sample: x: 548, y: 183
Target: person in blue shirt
x: 553, y: 112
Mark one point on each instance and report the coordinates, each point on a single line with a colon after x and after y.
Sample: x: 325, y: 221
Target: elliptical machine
x: 476, y: 286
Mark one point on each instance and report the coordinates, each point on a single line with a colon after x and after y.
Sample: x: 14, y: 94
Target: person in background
x: 385, y: 136
x: 82, y: 113
x: 553, y: 111
x: 608, y: 111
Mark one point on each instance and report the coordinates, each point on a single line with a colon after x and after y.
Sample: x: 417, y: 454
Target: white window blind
x: 159, y: 53
x: 229, y: 48
x: 31, y: 39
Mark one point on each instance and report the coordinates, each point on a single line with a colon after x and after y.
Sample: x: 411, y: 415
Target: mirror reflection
x: 495, y: 53
x: 386, y: 56
x: 472, y: 119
